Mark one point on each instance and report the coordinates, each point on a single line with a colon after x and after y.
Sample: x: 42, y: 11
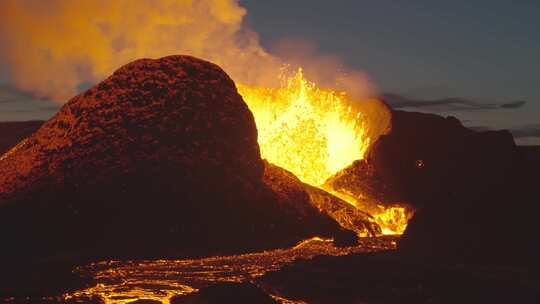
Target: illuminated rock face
x: 293, y: 192
x: 408, y: 163
x: 177, y: 109
x: 160, y: 159
x: 360, y: 184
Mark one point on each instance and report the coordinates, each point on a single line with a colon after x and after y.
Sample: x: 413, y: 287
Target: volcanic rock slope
x: 474, y: 192
x: 477, y: 191
x: 160, y: 159
x: 473, y: 238
x: 290, y: 188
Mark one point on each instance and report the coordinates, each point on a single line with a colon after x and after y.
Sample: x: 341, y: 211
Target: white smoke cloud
x: 51, y: 48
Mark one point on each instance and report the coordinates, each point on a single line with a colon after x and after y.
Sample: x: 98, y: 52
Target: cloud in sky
x: 448, y: 104
x: 16, y: 105
x: 513, y: 105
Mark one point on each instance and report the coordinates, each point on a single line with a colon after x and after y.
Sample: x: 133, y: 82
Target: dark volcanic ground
x: 385, y: 277
x: 161, y: 160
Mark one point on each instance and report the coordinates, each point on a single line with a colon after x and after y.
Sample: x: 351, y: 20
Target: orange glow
x: 393, y: 220
x: 311, y: 131
x: 83, y: 41
x: 314, y: 133
x: 122, y: 282
x: 307, y: 130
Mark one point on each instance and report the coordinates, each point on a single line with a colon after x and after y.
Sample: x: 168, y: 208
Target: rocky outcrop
x: 472, y: 190
x: 146, y: 111
x: 304, y: 197
x: 359, y: 180
x: 361, y: 183
x: 422, y: 157
x: 160, y: 159
x: 427, y: 156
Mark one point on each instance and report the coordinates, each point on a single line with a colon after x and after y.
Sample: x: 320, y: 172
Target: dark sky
x: 486, y: 51
x: 476, y: 48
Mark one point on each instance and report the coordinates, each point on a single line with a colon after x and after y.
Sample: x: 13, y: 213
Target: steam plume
x: 53, y: 47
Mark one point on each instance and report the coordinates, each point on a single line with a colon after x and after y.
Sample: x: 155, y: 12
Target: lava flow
x: 120, y: 282
x: 314, y: 133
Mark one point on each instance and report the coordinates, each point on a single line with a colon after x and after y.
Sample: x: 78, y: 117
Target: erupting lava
x: 314, y: 133
x: 311, y: 132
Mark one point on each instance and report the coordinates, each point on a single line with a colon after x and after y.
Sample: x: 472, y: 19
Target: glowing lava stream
x: 122, y: 282
x: 314, y: 133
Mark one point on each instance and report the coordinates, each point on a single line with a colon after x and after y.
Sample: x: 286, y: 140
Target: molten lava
x: 123, y: 282
x: 314, y: 133
x: 393, y: 220
x: 307, y: 130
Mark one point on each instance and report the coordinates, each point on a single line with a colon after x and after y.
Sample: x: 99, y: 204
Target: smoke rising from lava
x: 306, y: 125
x: 52, y: 48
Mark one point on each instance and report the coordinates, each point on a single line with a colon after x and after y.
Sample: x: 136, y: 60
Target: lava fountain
x: 314, y: 133
x: 309, y: 131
